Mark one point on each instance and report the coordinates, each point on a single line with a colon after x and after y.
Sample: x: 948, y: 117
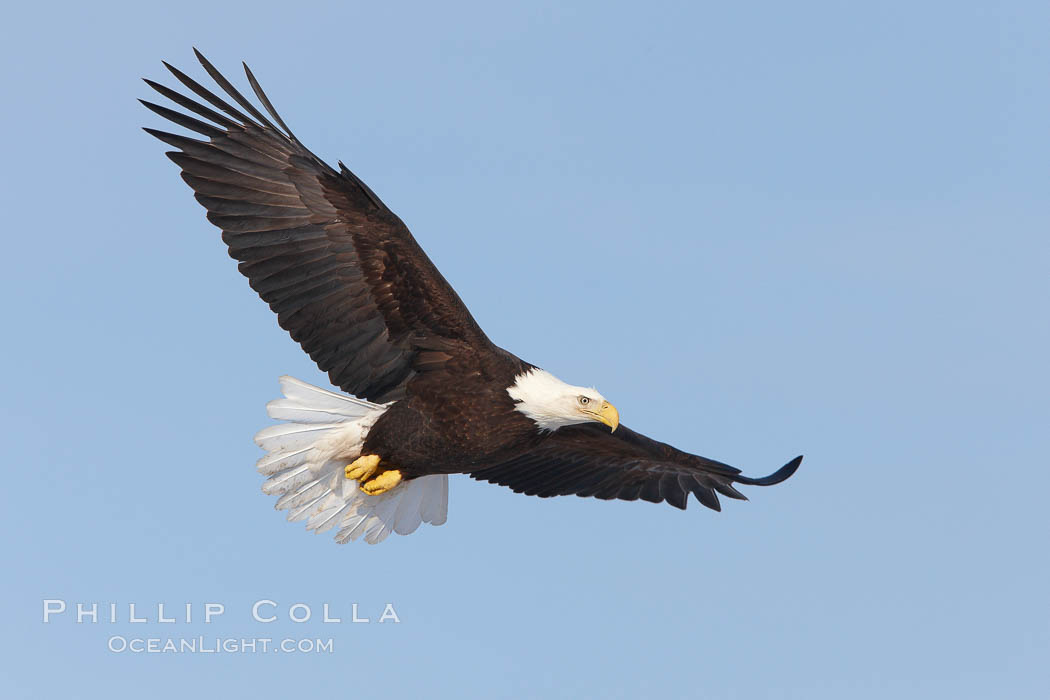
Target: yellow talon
x: 382, y: 483
x: 362, y: 468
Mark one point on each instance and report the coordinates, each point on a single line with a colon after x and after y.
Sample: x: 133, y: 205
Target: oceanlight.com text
x: 119, y: 644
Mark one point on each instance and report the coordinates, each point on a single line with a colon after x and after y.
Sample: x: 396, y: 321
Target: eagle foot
x: 363, y: 468
x: 382, y: 483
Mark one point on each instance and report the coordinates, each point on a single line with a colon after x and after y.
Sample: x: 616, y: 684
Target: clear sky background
x: 760, y: 229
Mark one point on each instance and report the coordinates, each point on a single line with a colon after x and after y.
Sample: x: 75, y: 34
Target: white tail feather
x: 305, y: 461
x: 292, y: 436
x: 279, y: 461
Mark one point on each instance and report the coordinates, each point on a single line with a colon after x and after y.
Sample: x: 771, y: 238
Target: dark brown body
x: 443, y: 428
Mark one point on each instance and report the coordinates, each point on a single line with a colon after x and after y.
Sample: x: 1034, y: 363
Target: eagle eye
x: 584, y: 401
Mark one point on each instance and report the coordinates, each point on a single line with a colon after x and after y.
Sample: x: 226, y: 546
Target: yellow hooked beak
x: 609, y: 415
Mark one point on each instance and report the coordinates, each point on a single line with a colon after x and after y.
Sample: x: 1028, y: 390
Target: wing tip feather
x: 780, y: 475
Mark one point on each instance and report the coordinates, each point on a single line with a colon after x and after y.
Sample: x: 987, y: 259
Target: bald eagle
x: 427, y: 394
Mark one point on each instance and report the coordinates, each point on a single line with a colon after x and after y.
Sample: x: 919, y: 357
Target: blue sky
x: 816, y: 228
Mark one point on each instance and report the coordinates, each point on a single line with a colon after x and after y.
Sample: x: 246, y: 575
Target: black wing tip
x: 714, y: 504
x: 156, y: 133
x: 782, y: 474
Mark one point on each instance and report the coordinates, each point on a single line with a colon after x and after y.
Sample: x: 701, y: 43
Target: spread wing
x: 588, y: 460
x: 343, y: 273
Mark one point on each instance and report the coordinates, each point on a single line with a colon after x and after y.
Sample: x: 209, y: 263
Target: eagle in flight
x: 427, y: 394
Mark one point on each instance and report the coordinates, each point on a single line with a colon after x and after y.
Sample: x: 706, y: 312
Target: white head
x: 553, y: 404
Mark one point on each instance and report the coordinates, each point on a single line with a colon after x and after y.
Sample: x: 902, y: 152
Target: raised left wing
x: 588, y: 460
x: 343, y: 274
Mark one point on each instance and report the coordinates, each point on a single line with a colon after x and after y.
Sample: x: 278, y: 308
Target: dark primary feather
x: 343, y: 273
x: 588, y: 460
